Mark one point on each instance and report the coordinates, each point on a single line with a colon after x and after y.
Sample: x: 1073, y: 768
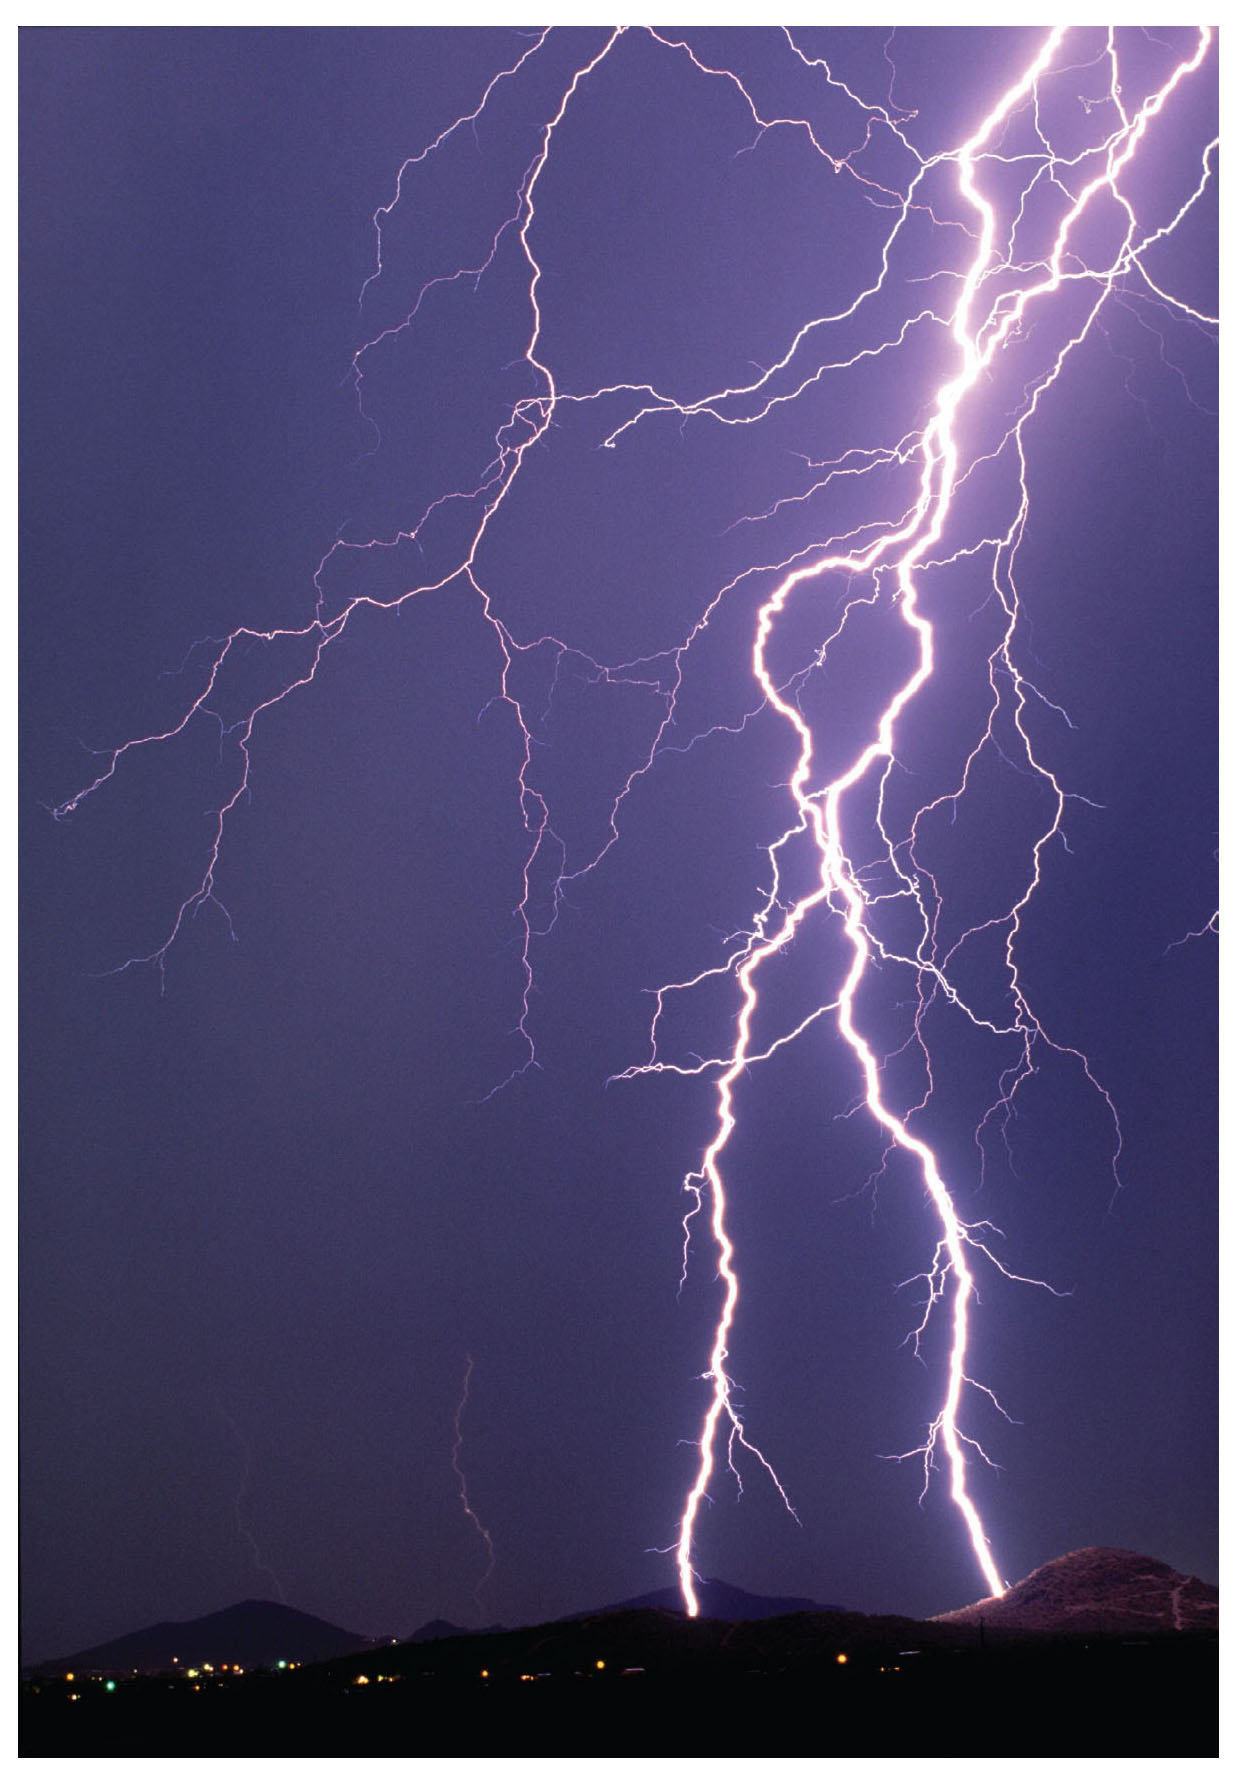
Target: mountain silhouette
x: 719, y: 1600
x: 438, y: 1629
x: 1113, y: 1590
x: 254, y: 1633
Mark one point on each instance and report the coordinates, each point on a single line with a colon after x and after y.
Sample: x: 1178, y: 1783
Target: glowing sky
x: 274, y: 1221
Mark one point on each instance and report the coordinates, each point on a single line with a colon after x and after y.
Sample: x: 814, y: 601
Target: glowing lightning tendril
x: 457, y: 1448
x: 1039, y: 265
x: 978, y: 334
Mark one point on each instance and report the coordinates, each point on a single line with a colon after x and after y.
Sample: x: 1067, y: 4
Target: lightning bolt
x: 1030, y: 229
x: 238, y: 1504
x: 980, y: 330
x: 457, y: 1449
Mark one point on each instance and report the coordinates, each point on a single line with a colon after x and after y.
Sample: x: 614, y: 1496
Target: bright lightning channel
x: 979, y: 333
x: 1015, y: 284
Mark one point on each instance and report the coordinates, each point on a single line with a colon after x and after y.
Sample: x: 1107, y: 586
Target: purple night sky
x: 270, y: 1208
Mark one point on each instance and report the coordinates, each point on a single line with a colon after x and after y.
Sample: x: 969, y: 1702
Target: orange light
x: 842, y: 1659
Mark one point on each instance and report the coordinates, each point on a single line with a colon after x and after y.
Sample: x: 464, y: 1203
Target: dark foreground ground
x: 1105, y: 1697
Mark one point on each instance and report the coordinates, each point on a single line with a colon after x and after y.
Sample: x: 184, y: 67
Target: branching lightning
x: 1032, y: 239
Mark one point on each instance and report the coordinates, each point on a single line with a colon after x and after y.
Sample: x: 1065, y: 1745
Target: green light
x: 111, y: 1685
